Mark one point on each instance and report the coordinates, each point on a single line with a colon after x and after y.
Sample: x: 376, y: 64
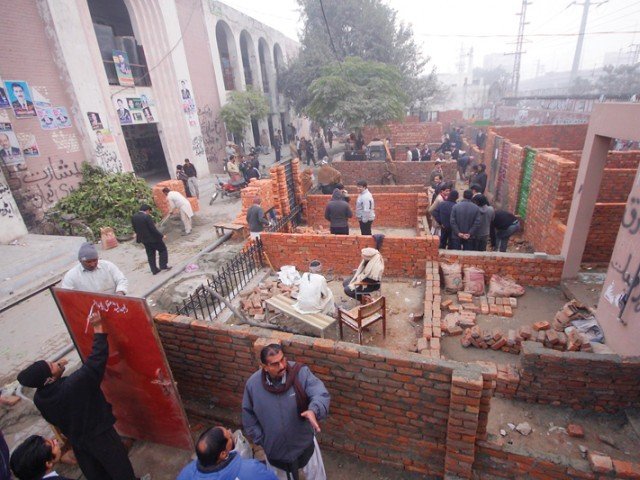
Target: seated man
x: 35, y: 458
x: 314, y: 295
x: 217, y: 460
x: 368, y: 276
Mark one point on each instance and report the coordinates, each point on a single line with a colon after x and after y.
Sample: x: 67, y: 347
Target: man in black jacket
x: 151, y: 238
x: 465, y: 223
x: 76, y: 405
x: 338, y: 212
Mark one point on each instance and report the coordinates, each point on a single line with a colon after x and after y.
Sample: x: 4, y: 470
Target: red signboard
x: 137, y: 382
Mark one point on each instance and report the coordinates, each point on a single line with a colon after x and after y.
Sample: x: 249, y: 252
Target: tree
x: 241, y: 108
x: 368, y: 29
x: 357, y: 93
x: 620, y: 80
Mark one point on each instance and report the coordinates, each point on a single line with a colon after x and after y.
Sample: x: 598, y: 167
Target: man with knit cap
x: 93, y: 275
x: 76, y: 405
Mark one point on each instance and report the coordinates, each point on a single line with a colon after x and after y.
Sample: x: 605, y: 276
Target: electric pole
x: 583, y: 28
x: 515, y: 75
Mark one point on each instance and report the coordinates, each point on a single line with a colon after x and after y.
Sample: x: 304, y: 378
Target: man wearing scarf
x: 368, y: 275
x: 282, y: 404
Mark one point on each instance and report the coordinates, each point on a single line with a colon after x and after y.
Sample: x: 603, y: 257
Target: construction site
x: 474, y: 364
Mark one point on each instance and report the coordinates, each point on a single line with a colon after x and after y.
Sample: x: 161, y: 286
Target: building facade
x: 129, y: 85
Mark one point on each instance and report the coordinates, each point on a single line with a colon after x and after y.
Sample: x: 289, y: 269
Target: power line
x: 498, y: 35
x: 326, y: 23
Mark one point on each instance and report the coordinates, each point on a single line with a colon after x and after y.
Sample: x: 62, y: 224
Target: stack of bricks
x: 256, y: 188
x: 429, y: 344
x: 160, y: 199
x: 507, y: 381
x: 299, y: 191
x: 572, y: 341
x: 252, y: 301
x: 502, y: 306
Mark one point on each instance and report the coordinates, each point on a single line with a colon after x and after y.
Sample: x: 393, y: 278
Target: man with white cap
x: 368, y: 276
x: 314, y: 295
x: 179, y: 204
x: 91, y: 275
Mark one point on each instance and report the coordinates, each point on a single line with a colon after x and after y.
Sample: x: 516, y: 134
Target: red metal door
x: 138, y: 382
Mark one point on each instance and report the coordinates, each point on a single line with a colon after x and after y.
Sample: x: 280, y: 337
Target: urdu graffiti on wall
x: 211, y: 132
x: 6, y: 202
x: 631, y: 218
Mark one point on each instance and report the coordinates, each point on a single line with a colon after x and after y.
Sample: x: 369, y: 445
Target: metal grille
x: 227, y: 282
x: 292, y: 218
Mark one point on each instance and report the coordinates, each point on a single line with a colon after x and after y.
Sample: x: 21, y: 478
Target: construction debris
x: 252, y: 301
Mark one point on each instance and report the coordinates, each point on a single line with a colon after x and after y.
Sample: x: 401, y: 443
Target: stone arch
x: 279, y: 64
x: 228, y: 55
x: 250, y: 64
x: 266, y: 66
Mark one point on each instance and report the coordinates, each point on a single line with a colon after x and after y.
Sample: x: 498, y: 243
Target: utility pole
x: 515, y: 75
x: 635, y: 55
x: 583, y: 27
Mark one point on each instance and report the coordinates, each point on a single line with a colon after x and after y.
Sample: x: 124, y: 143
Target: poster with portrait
x: 10, y: 151
x: 137, y: 117
x: 123, y: 68
x: 124, y: 114
x: 4, y: 98
x: 148, y: 115
x: 104, y: 136
x: 40, y: 98
x: 47, y: 120
x: 61, y: 116
x: 134, y: 103
x: 19, y: 97
x: 94, y: 120
x: 29, y: 145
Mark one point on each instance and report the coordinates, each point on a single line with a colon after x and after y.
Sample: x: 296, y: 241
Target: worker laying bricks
x: 368, y: 276
x: 179, y: 204
x: 314, y: 295
x: 282, y: 404
x: 217, y: 459
x: 328, y: 178
x: 76, y: 405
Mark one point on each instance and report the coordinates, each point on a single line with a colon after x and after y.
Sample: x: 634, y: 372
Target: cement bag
x: 500, y: 286
x: 288, y: 275
x: 452, y: 277
x: 108, y: 238
x: 474, y: 281
x: 242, y: 445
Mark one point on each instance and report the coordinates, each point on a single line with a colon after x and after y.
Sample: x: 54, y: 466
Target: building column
x: 70, y: 28
x: 157, y: 27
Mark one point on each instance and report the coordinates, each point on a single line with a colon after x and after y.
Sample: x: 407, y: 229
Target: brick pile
x: 280, y: 190
x: 429, y: 343
x: 252, y: 301
x: 160, y: 199
x: 256, y: 188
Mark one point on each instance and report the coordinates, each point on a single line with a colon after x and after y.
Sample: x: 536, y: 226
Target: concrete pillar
x: 11, y: 224
x: 157, y: 28
x: 70, y: 28
x: 594, y: 157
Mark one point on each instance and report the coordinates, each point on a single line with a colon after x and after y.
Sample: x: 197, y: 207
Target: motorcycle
x: 229, y: 189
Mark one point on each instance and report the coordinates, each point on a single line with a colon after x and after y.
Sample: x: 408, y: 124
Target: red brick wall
x: 403, y: 257
x: 526, y: 269
x: 615, y: 159
x: 450, y: 117
x: 596, y: 381
x: 616, y: 184
x: 374, y: 189
x: 409, y: 173
x: 513, y: 178
x: 565, y: 137
x: 405, y: 133
x: 386, y: 406
x: 28, y: 54
x: 605, y: 224
x: 392, y: 209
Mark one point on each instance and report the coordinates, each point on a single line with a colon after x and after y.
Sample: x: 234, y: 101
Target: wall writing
x: 211, y: 132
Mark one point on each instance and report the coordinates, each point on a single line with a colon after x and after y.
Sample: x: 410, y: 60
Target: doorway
x: 256, y: 132
x: 145, y: 150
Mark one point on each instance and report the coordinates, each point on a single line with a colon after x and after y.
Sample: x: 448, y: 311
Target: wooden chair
x: 363, y: 316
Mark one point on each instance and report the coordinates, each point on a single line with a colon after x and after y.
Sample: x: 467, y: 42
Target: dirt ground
x: 537, y: 304
x: 549, y: 434
x: 392, y: 232
x: 403, y: 298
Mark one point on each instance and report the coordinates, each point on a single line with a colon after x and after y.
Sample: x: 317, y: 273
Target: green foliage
x: 241, y: 108
x: 107, y: 199
x: 620, y: 80
x: 357, y: 93
x: 368, y: 29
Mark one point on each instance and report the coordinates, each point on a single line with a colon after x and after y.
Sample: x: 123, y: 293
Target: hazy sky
x: 491, y: 26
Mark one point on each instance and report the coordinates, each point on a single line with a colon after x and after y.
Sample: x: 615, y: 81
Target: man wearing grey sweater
x: 282, y: 404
